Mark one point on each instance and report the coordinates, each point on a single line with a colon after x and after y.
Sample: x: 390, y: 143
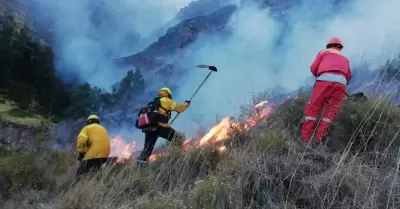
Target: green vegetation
x: 266, y: 167
x: 87, y: 99
x: 10, y: 112
x: 27, y: 72
x: 29, y: 85
x: 21, y: 170
x: 20, y: 113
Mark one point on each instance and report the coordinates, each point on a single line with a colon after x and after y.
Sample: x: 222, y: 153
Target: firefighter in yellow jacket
x: 163, y: 106
x: 93, y: 146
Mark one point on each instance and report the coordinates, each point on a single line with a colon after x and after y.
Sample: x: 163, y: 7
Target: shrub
x: 21, y: 170
x: 265, y: 167
x: 20, y: 113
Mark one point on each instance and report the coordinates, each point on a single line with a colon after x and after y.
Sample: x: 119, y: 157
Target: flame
x: 222, y: 148
x: 217, y: 134
x: 220, y: 132
x: 120, y: 149
x: 154, y: 156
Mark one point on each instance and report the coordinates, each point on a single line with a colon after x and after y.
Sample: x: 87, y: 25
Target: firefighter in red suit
x: 332, y: 71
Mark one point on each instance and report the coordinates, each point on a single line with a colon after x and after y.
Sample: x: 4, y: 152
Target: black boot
x: 141, y: 164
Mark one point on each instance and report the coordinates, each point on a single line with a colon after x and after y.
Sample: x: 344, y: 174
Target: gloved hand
x: 81, y: 156
x: 188, y: 101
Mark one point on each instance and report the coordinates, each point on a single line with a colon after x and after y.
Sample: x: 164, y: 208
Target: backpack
x: 148, y: 116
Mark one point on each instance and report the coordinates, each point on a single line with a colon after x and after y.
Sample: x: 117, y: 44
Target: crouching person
x: 93, y: 146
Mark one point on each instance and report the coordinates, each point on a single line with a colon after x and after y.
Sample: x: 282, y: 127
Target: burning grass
x: 265, y: 166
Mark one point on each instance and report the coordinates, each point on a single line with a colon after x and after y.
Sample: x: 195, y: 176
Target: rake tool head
x: 210, y: 67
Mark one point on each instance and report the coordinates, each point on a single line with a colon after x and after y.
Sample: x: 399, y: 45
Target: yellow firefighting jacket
x: 93, y: 140
x: 168, y: 105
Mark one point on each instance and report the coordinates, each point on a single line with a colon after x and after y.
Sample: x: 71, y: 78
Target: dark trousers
x: 151, y: 139
x: 90, y: 165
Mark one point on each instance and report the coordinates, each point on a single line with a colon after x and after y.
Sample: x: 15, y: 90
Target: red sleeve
x: 315, y: 65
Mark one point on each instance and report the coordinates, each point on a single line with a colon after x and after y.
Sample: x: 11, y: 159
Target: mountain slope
x: 266, y: 167
x: 178, y: 37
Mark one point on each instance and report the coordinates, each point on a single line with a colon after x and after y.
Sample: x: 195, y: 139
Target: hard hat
x: 93, y: 117
x: 335, y: 40
x: 167, y: 90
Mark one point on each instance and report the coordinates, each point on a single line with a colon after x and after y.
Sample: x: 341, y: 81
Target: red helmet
x: 334, y: 42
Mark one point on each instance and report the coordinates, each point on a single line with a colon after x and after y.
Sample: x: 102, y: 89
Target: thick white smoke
x: 87, y: 35
x: 249, y: 62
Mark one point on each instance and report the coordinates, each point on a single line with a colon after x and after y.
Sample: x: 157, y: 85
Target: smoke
x: 250, y: 61
x: 265, y: 49
x: 87, y: 35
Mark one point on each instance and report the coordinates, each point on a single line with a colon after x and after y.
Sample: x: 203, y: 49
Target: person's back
x: 93, y: 146
x: 331, y: 65
x: 98, y: 142
x: 332, y: 72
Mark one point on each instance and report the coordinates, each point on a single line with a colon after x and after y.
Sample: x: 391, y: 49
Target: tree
x: 82, y: 102
x: 27, y: 73
x: 132, y: 84
x: 28, y: 76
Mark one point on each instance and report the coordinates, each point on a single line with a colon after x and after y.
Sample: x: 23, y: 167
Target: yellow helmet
x: 167, y: 90
x: 93, y: 117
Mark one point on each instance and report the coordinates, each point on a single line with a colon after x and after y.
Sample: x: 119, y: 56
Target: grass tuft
x: 266, y: 167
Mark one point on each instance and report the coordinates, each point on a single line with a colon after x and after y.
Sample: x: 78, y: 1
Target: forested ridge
x: 28, y: 77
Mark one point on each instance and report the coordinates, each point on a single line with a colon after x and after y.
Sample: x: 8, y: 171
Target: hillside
x: 261, y: 165
x: 178, y: 37
x: 266, y: 167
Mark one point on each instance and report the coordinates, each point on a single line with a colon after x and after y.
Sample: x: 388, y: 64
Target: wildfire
x: 222, y: 148
x: 216, y: 135
x: 220, y: 132
x: 120, y: 149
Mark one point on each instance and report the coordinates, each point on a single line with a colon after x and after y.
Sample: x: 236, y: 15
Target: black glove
x: 80, y: 156
x: 188, y: 101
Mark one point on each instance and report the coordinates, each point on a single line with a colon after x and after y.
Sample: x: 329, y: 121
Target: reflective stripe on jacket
x: 93, y: 140
x: 331, y: 65
x: 333, y: 78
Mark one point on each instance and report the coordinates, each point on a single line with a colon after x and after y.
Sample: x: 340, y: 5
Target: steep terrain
x: 265, y: 167
x: 261, y: 165
x: 178, y: 37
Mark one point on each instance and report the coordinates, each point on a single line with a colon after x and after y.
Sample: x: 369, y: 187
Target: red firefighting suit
x: 332, y: 71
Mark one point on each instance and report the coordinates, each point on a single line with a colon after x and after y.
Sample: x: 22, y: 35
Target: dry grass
x: 267, y: 167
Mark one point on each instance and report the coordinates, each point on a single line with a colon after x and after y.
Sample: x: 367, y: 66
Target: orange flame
x: 220, y: 132
x: 120, y: 149
x: 222, y: 148
x: 217, y: 134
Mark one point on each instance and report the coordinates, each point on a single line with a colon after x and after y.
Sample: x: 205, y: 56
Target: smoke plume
x: 266, y: 47
x: 250, y: 60
x: 87, y: 35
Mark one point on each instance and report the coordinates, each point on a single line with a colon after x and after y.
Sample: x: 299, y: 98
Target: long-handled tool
x: 212, y: 69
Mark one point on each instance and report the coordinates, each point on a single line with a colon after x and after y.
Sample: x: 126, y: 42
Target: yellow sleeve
x: 173, y: 106
x: 179, y: 107
x: 81, y: 140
